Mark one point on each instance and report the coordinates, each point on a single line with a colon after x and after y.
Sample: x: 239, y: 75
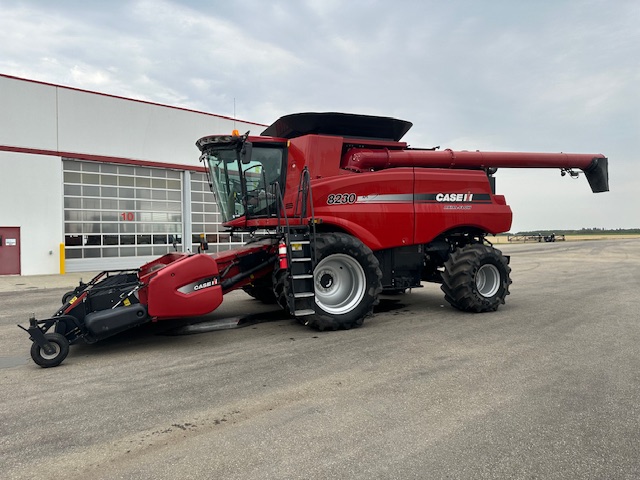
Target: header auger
x: 340, y: 211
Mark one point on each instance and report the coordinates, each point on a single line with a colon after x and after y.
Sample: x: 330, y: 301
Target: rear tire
x: 45, y: 360
x: 476, y: 278
x: 347, y: 282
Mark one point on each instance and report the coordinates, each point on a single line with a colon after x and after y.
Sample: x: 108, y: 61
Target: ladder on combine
x: 301, y: 297
x: 299, y: 237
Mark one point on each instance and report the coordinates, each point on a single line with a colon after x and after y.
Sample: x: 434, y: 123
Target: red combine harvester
x: 340, y: 211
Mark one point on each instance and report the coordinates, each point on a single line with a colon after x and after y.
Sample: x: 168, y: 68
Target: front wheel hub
x: 340, y: 283
x: 326, y: 280
x: 51, y: 352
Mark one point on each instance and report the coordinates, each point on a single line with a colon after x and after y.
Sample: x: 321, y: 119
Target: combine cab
x: 340, y: 210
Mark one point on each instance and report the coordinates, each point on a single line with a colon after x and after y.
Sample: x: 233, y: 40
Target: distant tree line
x: 582, y: 231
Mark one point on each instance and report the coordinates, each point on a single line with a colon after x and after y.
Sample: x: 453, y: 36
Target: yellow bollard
x: 62, y: 259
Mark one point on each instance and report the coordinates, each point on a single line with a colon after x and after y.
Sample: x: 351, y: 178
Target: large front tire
x: 476, y: 278
x: 281, y: 289
x: 347, y: 282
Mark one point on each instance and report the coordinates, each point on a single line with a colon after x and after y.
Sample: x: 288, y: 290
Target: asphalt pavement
x: 18, y: 283
x: 547, y: 387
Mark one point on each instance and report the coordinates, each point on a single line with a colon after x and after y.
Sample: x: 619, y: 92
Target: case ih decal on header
x: 345, y: 210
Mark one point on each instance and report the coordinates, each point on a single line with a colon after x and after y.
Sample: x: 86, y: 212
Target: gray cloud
x: 500, y: 75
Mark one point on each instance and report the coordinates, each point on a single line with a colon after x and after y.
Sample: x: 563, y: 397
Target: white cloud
x: 90, y: 77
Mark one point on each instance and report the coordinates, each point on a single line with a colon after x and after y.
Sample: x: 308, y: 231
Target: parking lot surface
x: 546, y: 387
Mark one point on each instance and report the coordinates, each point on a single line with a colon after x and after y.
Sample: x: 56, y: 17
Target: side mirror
x: 245, y: 153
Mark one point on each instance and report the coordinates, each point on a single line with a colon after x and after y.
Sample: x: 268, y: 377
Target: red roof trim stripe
x: 130, y: 99
x: 100, y: 158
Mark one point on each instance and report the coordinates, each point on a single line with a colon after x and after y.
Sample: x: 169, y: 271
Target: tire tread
x: 459, y: 278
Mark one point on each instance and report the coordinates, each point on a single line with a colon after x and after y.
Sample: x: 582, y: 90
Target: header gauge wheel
x: 60, y: 351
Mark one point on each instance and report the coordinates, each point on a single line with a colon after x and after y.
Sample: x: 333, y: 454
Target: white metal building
x: 90, y: 181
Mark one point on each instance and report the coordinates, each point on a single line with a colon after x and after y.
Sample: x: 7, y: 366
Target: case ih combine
x: 341, y: 211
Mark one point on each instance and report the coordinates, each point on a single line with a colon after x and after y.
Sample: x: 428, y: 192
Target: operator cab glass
x: 245, y: 181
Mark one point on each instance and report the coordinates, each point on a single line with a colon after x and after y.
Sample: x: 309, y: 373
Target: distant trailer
x: 536, y: 238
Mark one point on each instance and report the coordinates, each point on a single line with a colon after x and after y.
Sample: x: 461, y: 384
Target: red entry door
x: 9, y: 250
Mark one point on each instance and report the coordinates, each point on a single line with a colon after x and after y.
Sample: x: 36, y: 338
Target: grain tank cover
x: 340, y: 124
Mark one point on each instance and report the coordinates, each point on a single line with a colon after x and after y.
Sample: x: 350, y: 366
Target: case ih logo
x: 199, y: 285
x: 447, y: 198
x: 207, y: 284
x: 454, y: 197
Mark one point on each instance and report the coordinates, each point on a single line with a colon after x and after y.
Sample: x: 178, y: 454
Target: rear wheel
x: 60, y: 351
x: 347, y: 282
x: 476, y: 278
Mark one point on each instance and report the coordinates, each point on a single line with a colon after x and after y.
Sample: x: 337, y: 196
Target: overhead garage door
x: 116, y: 215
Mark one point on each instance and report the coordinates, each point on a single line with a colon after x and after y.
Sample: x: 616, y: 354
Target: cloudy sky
x: 540, y: 75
